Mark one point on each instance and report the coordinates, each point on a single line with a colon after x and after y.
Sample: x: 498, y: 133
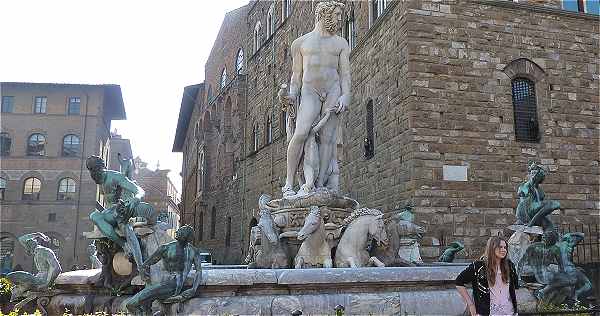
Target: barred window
x: 32, y: 188
x: 70, y: 146
x: 525, y: 110
x: 66, y: 189
x: 369, y: 141
x: 36, y: 145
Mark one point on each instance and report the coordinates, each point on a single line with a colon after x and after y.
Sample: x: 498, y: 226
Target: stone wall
x: 439, y: 76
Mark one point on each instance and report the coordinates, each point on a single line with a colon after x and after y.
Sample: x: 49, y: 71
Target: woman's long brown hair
x: 492, y: 262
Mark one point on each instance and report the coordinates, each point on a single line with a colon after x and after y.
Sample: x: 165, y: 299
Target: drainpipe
x: 82, y: 158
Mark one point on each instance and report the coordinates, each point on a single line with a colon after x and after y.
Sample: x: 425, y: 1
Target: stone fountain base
x: 427, y: 290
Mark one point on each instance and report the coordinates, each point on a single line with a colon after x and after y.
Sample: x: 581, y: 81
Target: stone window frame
x: 68, y: 191
x: 75, y: 153
x: 239, y: 61
x: 223, y: 81
x: 33, y: 195
x: 257, y: 36
x: 255, y: 140
x: 528, y: 69
x: 5, y: 136
x: 270, y: 21
x: 3, y: 187
x: 29, y: 149
x: 268, y: 130
x: 40, y: 104
x: 8, y: 107
x: 72, y: 101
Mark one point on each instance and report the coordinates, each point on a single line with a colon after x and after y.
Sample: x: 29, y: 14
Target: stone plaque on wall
x: 455, y: 173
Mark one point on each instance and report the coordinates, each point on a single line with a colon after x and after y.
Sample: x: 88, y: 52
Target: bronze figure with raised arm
x: 123, y: 198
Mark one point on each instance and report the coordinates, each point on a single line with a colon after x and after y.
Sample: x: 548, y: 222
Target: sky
x: 152, y: 49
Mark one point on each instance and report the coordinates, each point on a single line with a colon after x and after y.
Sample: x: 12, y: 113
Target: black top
x: 476, y: 275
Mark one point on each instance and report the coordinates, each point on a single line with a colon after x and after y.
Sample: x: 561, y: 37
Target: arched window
x: 66, y: 189
x: 369, y: 141
x: 271, y: 20
x: 36, y: 145
x: 213, y: 222
x: 268, y: 131
x: 70, y: 146
x: 257, y: 36
x: 223, y: 78
x: 5, y: 143
x: 525, y: 110
x: 31, y: 189
x: 2, y: 188
x: 239, y: 61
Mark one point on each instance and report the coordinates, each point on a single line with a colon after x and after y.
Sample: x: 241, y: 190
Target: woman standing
x: 494, y: 280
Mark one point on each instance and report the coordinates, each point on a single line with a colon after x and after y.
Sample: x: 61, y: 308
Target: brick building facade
x: 47, y: 132
x: 450, y: 101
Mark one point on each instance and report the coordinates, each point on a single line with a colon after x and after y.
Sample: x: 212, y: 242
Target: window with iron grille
x: 40, y: 105
x: 369, y: 141
x: 8, y: 103
x: 525, y: 110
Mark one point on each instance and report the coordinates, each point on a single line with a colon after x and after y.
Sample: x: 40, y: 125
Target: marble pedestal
x: 427, y: 290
